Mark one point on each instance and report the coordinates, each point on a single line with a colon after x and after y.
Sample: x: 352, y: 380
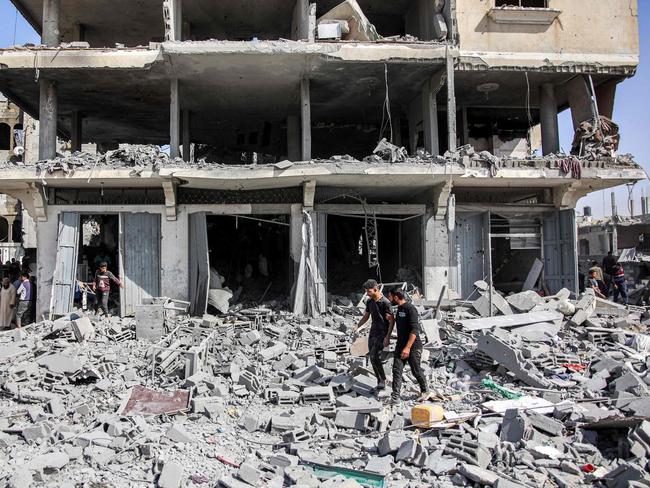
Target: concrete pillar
x: 10, y: 227
x: 580, y: 99
x: 300, y: 21
x: 305, y: 112
x: 174, y: 120
x: 293, y: 138
x: 79, y: 32
x: 548, y: 120
x: 51, y: 36
x: 76, y: 131
x: 436, y: 255
x: 11, y: 138
x: 414, y: 112
x: 605, y: 97
x: 451, y: 103
x: 48, y: 111
x: 177, y: 19
x: 186, y: 135
x: 430, y: 118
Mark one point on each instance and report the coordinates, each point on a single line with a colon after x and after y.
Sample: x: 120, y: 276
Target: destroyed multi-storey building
x: 270, y: 110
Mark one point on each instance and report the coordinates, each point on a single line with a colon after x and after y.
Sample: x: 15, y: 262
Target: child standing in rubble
x: 102, y: 286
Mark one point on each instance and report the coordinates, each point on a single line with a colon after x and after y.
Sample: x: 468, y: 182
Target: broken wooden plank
x: 507, y: 321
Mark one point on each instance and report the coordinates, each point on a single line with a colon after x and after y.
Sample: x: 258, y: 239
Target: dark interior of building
x: 397, y: 249
x: 252, y: 254
x: 99, y: 242
x: 513, y: 254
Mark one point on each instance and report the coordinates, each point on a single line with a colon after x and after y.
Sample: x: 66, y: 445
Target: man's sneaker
x: 381, y: 385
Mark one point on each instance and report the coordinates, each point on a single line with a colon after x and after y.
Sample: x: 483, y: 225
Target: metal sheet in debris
x: 145, y: 401
x: 511, y: 320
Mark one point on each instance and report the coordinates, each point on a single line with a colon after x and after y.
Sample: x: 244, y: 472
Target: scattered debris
x: 262, y: 397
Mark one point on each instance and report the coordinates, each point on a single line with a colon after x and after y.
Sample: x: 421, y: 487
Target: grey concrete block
x: 274, y: 351
x: 524, y: 301
x: 351, y: 420
x: 479, y: 475
x: 250, y: 338
x: 250, y: 421
x: 380, y: 464
x: 440, y: 465
x: 171, y: 476
x: 177, y: 433
x: 545, y: 424
x: 36, y: 432
x: 83, y: 329
x: 250, y: 474
x: 515, y: 427
x: 390, y: 443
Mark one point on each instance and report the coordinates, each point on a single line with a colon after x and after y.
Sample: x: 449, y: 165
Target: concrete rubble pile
x: 548, y: 391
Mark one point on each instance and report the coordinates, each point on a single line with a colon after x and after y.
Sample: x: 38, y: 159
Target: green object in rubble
x: 364, y: 478
x: 505, y: 393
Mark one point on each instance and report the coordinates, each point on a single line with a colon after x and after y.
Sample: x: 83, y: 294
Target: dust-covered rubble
x: 553, y: 393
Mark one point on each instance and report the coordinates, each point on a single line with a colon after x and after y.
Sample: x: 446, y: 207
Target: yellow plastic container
x: 426, y: 415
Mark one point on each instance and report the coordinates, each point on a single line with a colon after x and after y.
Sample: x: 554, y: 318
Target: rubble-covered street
x: 548, y: 392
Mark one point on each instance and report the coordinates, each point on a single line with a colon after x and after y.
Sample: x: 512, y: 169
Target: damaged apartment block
x: 271, y: 110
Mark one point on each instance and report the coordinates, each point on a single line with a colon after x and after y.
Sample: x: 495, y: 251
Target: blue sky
x: 632, y: 110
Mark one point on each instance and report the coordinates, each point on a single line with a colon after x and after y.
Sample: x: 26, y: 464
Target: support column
x: 174, y: 120
x: 79, y: 32
x: 293, y: 138
x: 605, y: 97
x: 582, y: 104
x: 305, y: 104
x: 11, y: 138
x: 430, y: 119
x: 173, y: 18
x: 76, y: 131
x: 51, y: 36
x: 186, y: 135
x: 177, y: 19
x: 436, y: 254
x: 10, y: 227
x: 48, y: 111
x: 451, y: 103
x: 548, y: 120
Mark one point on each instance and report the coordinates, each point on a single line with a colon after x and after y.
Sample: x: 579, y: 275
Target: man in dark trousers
x: 378, y: 307
x: 102, y: 286
x: 408, y: 347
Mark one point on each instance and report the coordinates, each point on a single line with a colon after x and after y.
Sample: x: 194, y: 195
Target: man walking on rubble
x: 24, y: 297
x: 102, y: 287
x: 409, y: 346
x: 378, y: 308
x: 7, y: 303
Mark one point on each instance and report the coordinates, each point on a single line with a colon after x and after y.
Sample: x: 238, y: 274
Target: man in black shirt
x: 409, y: 346
x: 378, y: 307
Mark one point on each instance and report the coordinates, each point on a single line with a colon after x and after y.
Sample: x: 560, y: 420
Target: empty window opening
x: 516, y: 245
x: 4, y: 230
x: 5, y: 137
x: 522, y: 3
x: 355, y: 244
x: 98, y: 243
x: 249, y: 255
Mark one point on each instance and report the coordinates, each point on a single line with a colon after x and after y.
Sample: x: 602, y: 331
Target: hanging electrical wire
x: 15, y: 26
x: 386, y: 118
